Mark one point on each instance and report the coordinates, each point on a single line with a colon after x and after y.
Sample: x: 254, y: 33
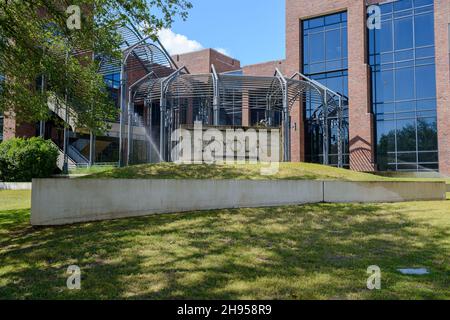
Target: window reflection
x: 325, y: 60
x: 401, y: 56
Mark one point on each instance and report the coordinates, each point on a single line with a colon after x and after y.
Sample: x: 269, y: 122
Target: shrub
x: 24, y: 159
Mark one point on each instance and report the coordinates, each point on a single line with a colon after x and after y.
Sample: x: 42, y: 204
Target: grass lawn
x: 287, y: 171
x: 291, y: 171
x: 91, y: 170
x: 299, y: 252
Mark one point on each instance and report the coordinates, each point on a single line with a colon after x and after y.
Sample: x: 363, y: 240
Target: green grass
x: 317, y: 251
x: 287, y: 171
x: 91, y: 170
x: 295, y: 171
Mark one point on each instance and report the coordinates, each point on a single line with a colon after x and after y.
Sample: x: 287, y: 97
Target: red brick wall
x: 9, y: 126
x: 223, y: 63
x: 200, y: 61
x: 361, y: 121
x: 12, y: 129
x: 442, y: 19
x: 264, y: 69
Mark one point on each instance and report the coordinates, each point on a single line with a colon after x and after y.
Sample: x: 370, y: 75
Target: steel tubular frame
x: 228, y: 92
x: 332, y: 103
x: 138, y: 54
x: 220, y: 94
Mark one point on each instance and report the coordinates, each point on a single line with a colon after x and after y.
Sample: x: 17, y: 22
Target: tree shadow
x: 297, y: 252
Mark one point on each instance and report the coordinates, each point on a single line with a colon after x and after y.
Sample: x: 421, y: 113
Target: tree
x: 37, y: 39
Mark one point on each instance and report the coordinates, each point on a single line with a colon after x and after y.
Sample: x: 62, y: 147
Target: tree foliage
x: 35, y: 40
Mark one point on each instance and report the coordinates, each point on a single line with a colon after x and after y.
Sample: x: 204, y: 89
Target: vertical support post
x: 339, y: 134
x: 286, y: 117
x: 216, y: 99
x: 66, y: 131
x: 325, y: 129
x: 91, y: 149
x: 162, y: 129
x: 287, y: 130
x: 42, y: 122
x: 130, y: 127
x: 123, y: 92
x: 66, y: 142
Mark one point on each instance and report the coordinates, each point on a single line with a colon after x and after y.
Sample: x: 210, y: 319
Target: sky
x: 251, y: 31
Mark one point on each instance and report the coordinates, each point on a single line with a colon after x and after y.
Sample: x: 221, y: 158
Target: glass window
x: 425, y: 82
x: 401, y: 56
x: 325, y: 60
x: 403, y: 33
x: 385, y: 39
x: 333, y: 42
x: 426, y: 134
x: 402, y: 5
x: 404, y: 84
x: 424, y: 27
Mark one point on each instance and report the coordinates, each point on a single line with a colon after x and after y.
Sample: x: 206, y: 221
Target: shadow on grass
x: 297, y: 252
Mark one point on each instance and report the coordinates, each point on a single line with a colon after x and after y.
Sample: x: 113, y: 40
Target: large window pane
x: 424, y: 30
x: 402, y: 5
x: 385, y: 36
x: 386, y: 86
x: 403, y: 33
x: 386, y: 136
x: 316, y: 47
x: 406, y: 135
x: 427, y: 134
x: 425, y: 82
x: 333, y: 44
x: 404, y: 84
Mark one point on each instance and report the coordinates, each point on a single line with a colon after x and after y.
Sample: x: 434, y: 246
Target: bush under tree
x: 24, y: 159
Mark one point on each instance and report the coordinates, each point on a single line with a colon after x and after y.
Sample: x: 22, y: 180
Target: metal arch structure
x: 329, y: 105
x: 222, y: 99
x: 142, y: 59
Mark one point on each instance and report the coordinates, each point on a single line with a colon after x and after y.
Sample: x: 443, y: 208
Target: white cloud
x: 177, y: 43
x: 223, y: 51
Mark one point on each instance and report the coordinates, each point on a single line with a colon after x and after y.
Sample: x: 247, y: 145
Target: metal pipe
x: 325, y: 141
x: 216, y: 96
x: 42, y: 122
x: 66, y: 129
x: 340, y: 149
x: 91, y: 149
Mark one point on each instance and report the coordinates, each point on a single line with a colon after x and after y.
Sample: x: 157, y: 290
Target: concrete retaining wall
x: 59, y: 201
x: 384, y: 191
x: 15, y: 185
x: 448, y: 187
x: 65, y: 201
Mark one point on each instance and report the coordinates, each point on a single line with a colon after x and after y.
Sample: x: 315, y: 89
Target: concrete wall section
x: 15, y: 186
x: 343, y: 192
x: 64, y: 201
x: 60, y: 201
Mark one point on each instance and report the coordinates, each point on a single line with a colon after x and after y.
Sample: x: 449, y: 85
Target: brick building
x: 396, y: 79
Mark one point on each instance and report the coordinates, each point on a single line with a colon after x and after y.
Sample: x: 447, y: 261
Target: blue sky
x: 249, y: 30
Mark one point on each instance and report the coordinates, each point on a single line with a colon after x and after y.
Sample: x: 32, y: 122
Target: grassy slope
x: 301, y: 171
x: 312, y: 251
x: 292, y: 171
